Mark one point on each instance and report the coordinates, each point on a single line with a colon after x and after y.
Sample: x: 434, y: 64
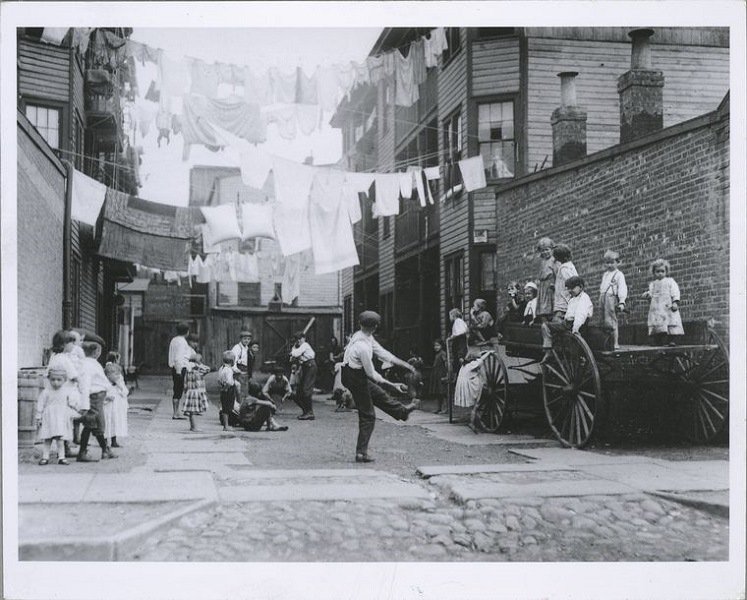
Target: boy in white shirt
x: 580, y: 310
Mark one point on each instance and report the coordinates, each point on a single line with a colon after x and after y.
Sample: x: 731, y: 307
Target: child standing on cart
x: 580, y: 310
x: 664, y: 319
x: 546, y: 279
x: 613, y: 292
x: 566, y: 270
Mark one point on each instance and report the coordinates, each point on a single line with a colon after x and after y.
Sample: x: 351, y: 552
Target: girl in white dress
x: 664, y: 319
x: 116, y: 424
x: 54, y: 415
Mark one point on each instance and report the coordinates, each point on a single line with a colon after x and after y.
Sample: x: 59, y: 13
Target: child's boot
x: 83, y: 455
x: 114, y: 442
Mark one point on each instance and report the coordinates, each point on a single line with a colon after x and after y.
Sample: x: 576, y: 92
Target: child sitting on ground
x: 613, y: 291
x: 55, y: 411
x: 230, y: 388
x: 566, y: 270
x: 277, y: 388
x: 580, y: 309
x: 255, y: 411
x: 664, y: 319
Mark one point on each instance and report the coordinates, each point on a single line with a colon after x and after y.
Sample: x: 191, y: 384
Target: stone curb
x: 714, y: 508
x: 107, y: 548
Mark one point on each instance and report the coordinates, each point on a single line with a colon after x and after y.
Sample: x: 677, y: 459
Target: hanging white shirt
x: 388, y: 187
x: 292, y: 187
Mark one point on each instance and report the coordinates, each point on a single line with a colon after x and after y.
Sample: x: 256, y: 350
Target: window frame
x: 448, y: 55
x: 453, y: 267
x: 49, y: 106
x: 487, y: 101
x: 452, y: 176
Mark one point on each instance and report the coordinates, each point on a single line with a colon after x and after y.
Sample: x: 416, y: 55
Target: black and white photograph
x: 373, y: 300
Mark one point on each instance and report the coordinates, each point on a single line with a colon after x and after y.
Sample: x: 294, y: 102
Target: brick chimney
x: 568, y: 123
x: 641, y: 91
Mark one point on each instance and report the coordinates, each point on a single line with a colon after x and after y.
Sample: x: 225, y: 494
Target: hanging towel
x: 388, y: 187
x: 473, y: 173
x: 417, y: 173
x: 205, y: 270
x: 134, y: 230
x: 208, y: 245
x: 54, y: 35
x: 291, y: 286
x: 432, y: 173
x: 406, y: 90
x: 88, y: 198
x: 405, y: 185
x: 332, y: 240
x: 355, y: 184
x: 247, y: 268
x: 233, y: 114
x: 417, y: 57
x: 291, y: 218
x: 256, y: 220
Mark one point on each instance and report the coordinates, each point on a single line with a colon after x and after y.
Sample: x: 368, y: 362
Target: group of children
x: 81, y: 399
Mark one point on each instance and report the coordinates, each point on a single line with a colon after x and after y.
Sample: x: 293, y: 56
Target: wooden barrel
x: 30, y: 385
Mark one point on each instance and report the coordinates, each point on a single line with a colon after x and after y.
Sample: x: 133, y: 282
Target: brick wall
x: 666, y: 195
x: 41, y: 207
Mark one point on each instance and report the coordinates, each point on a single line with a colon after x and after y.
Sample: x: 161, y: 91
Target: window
x: 47, y: 123
x: 452, y: 154
x: 495, y: 133
x: 454, y: 281
x: 487, y: 271
x: 454, y: 40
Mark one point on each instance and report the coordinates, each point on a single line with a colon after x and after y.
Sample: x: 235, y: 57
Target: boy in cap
x: 243, y: 356
x: 230, y: 388
x: 360, y: 377
x: 580, y: 310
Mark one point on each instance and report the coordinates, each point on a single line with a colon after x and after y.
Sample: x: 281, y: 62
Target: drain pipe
x: 67, y: 229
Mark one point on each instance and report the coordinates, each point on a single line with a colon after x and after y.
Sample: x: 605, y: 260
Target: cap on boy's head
x: 90, y: 348
x: 561, y: 252
x: 228, y: 357
x: 182, y: 328
x: 299, y: 335
x: 574, y: 281
x: 611, y: 255
x: 278, y: 370
x: 245, y: 333
x: 531, y: 285
x: 254, y: 389
x: 369, y: 318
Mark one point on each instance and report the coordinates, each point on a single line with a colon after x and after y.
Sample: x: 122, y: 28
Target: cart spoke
x: 555, y: 399
x: 587, y: 394
x: 585, y: 408
x: 554, y: 386
x: 723, y: 363
x: 704, y: 416
x: 556, y: 373
x: 566, y: 378
x: 583, y: 422
x: 706, y: 402
x: 713, y: 394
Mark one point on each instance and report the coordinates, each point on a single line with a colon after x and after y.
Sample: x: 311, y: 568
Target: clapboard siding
x: 43, y: 71
x: 385, y: 164
x: 696, y: 79
x: 495, y: 66
x: 483, y: 212
x: 693, y: 36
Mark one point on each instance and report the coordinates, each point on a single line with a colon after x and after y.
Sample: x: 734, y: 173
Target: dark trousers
x: 178, y: 382
x: 305, y: 387
x: 253, y: 416
x: 93, y: 422
x: 243, y: 377
x: 366, y: 395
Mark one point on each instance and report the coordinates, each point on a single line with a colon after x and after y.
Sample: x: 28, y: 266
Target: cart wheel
x: 702, y: 396
x: 572, y: 391
x: 492, y: 403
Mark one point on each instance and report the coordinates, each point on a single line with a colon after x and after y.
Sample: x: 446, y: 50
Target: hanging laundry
x: 332, y: 240
x: 257, y: 88
x: 388, y: 186
x: 152, y: 234
x: 406, y: 92
x: 247, y: 268
x: 362, y: 75
x: 54, y: 35
x: 417, y: 173
x: 88, y: 198
x: 171, y: 277
x: 390, y: 64
x: 308, y: 117
x: 193, y: 268
x: 256, y: 220
x: 205, y: 79
x: 221, y: 222
x: 291, y: 286
x: 417, y: 57
x: 283, y: 86
x: 142, y: 52
x: 435, y: 46
x: 375, y: 66
x: 81, y: 37
x: 153, y: 94
x: 355, y: 184
x: 473, y: 173
x: 291, y: 217
x: 176, y: 124
x: 173, y: 77
x: 255, y: 164
x: 432, y: 173
x: 285, y: 117
x: 306, y: 91
x: 233, y: 114
x: 346, y: 74
x: 145, y: 114
x: 328, y: 85
x: 163, y: 123
x: 405, y: 185
x: 205, y: 270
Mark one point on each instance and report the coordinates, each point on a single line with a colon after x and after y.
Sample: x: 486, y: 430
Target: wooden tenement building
x: 496, y: 93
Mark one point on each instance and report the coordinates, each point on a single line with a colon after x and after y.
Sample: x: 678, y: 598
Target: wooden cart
x: 577, y: 381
